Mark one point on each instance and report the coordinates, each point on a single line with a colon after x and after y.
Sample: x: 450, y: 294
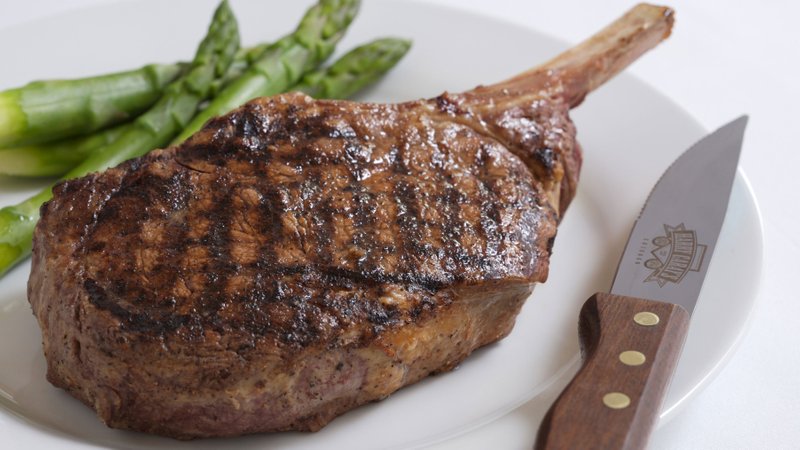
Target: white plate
x: 630, y: 134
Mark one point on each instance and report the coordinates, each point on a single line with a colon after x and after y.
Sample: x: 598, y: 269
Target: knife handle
x: 630, y: 347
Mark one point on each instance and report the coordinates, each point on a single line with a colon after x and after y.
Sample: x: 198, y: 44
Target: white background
x: 723, y: 59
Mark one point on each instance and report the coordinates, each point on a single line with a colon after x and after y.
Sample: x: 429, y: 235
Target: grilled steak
x: 298, y: 258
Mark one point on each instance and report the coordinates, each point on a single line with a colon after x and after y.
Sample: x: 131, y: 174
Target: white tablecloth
x: 735, y: 57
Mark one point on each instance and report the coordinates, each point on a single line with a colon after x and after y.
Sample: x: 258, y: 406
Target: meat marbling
x: 298, y: 258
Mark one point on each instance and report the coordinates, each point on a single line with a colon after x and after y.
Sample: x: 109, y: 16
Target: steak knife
x: 631, y: 338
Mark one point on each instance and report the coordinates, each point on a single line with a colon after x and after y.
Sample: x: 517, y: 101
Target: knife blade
x: 631, y: 337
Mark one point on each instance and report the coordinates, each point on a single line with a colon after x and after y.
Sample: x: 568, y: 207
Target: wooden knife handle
x: 630, y: 347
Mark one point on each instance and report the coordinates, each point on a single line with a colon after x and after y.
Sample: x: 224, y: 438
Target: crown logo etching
x: 674, y: 254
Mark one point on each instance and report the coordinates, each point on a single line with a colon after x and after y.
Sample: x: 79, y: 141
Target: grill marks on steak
x: 285, y: 217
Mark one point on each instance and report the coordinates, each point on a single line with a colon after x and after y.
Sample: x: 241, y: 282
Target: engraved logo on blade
x: 674, y: 254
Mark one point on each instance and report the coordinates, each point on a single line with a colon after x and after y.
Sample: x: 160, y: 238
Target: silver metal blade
x: 670, y: 246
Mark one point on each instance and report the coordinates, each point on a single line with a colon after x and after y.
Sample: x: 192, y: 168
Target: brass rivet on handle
x: 616, y: 400
x: 646, y: 319
x: 632, y: 358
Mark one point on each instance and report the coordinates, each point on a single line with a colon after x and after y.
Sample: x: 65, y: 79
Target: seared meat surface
x: 298, y: 258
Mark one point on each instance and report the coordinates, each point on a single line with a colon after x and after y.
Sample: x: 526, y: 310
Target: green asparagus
x: 244, y: 58
x: 349, y: 74
x: 49, y: 110
x: 153, y: 129
x: 355, y: 70
x: 45, y: 111
x: 285, y: 62
x: 57, y: 158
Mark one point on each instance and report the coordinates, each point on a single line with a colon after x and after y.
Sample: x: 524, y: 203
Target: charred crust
x: 447, y: 104
x: 546, y: 157
x: 331, y: 237
x: 550, y: 243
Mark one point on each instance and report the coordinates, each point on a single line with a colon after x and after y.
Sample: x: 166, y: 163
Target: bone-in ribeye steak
x: 298, y: 258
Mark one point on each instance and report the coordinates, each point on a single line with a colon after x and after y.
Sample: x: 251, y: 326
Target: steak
x: 298, y: 258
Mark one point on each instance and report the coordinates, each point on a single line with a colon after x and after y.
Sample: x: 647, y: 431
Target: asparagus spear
x: 244, y: 58
x: 44, y: 111
x: 350, y: 73
x: 355, y: 70
x: 281, y: 66
x: 49, y: 110
x: 153, y: 129
x: 57, y: 158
